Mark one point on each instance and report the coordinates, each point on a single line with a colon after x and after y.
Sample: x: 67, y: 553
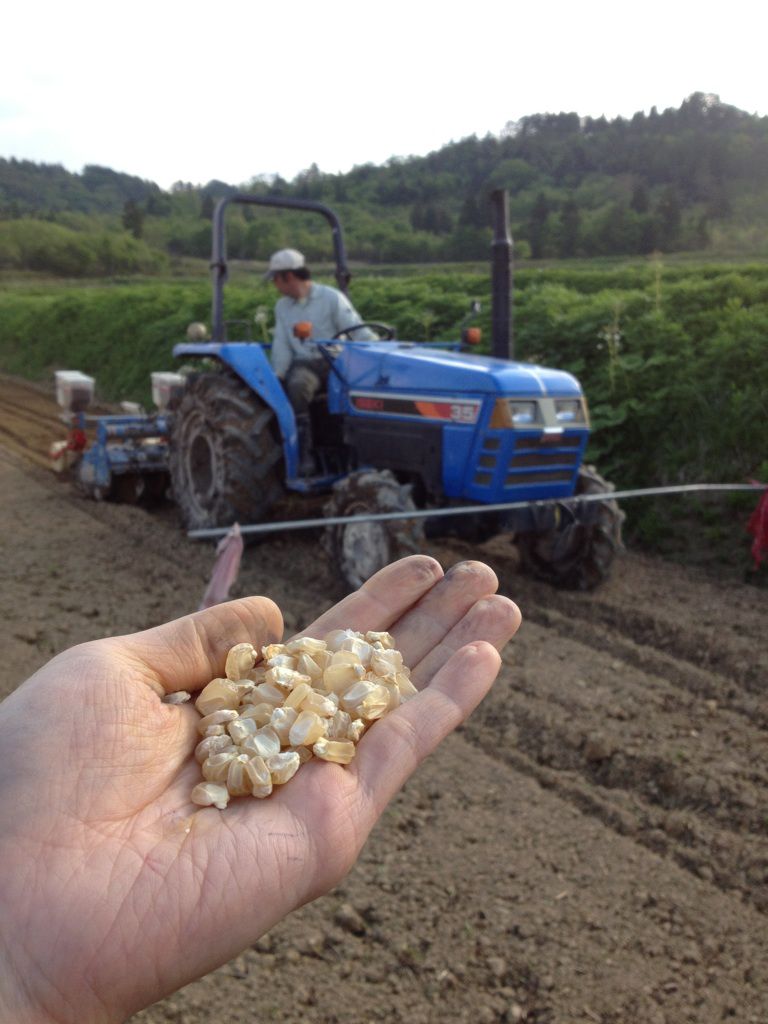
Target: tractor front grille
x: 507, y: 461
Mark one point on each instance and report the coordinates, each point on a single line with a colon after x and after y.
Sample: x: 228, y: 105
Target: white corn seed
x: 356, y: 729
x: 346, y: 658
x: 216, y: 718
x: 241, y: 729
x: 355, y: 694
x: 269, y: 693
x: 244, y: 687
x: 207, y: 794
x: 307, y: 665
x: 376, y: 704
x: 217, y: 695
x: 386, y: 663
x: 285, y: 678
x: 385, y: 639
x: 216, y: 767
x: 336, y: 638
x: 323, y: 704
x: 177, y: 697
x: 282, y: 661
x: 272, y: 651
x: 339, y: 725
x: 258, y: 776
x: 394, y: 695
x: 305, y: 645
x: 260, y: 713
x: 238, y: 781
x: 307, y: 728
x: 297, y: 695
x: 264, y: 743
x: 405, y: 686
x: 283, y: 767
x: 240, y: 660
x: 305, y: 754
x: 359, y: 647
x: 338, y: 751
x: 322, y: 659
x: 338, y: 678
x: 213, y: 745
x: 282, y: 720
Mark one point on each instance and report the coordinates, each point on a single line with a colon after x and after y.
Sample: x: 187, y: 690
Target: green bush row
x: 673, y: 360
x: 28, y: 244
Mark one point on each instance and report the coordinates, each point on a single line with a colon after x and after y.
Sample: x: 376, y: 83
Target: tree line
x: 689, y: 178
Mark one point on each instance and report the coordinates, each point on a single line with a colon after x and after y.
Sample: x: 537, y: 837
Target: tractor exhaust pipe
x: 501, y: 277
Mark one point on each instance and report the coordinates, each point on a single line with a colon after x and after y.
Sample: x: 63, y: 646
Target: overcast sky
x: 188, y: 91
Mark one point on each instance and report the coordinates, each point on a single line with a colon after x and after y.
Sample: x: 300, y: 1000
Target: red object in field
x: 63, y: 453
x: 229, y: 551
x: 77, y: 441
x: 758, y: 527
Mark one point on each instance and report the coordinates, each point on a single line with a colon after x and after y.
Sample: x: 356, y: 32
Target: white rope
x: 463, y: 510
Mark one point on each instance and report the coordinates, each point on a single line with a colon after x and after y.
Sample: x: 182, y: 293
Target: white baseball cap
x: 284, y: 259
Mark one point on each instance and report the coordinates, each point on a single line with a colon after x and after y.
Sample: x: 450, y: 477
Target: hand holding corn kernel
x: 308, y: 698
x: 116, y: 888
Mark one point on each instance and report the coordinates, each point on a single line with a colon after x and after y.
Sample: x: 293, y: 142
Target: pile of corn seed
x: 275, y: 711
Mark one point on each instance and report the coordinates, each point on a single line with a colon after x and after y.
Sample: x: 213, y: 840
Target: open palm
x: 116, y: 890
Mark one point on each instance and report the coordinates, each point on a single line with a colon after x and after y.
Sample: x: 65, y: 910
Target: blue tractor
x: 403, y: 426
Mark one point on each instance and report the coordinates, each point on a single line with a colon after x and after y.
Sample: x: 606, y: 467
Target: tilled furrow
x: 30, y: 402
x: 734, y: 862
x: 15, y: 437
x: 608, y: 707
x: 652, y: 775
x: 704, y: 650
x: 699, y: 637
x: 705, y: 684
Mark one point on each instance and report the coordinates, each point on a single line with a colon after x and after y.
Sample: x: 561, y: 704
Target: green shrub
x: 28, y: 244
x: 672, y: 360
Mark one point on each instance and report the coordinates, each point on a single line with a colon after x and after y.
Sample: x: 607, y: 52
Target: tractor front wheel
x: 223, y: 453
x: 359, y: 549
x: 577, y: 554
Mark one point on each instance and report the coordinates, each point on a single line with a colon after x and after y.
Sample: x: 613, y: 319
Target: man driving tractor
x: 305, y: 313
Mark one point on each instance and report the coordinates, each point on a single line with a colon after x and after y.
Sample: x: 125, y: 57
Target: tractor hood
x: 406, y: 366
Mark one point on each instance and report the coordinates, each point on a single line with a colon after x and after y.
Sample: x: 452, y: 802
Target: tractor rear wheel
x: 223, y: 453
x: 358, y: 550
x: 576, y: 554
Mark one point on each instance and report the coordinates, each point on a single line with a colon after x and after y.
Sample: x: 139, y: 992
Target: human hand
x: 116, y: 890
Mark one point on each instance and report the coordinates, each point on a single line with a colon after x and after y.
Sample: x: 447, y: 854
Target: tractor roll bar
x: 502, y: 346
x: 219, y: 248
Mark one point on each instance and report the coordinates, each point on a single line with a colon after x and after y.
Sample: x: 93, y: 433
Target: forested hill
x: 691, y: 178
x: 35, y: 189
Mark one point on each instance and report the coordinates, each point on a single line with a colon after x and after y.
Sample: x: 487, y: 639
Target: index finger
x: 382, y: 599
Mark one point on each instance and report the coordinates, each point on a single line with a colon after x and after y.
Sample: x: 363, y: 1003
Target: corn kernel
x: 337, y: 751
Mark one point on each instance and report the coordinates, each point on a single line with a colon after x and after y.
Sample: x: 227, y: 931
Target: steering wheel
x: 385, y: 329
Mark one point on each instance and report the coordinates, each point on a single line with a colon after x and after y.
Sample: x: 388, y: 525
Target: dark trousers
x: 303, y: 381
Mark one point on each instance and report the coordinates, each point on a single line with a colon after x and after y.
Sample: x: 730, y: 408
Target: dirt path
x: 593, y: 845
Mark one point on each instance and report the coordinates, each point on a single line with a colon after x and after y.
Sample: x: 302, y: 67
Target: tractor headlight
x: 523, y: 413
x: 519, y: 413
x: 571, y: 411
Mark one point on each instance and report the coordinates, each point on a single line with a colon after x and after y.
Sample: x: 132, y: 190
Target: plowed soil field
x: 591, y: 847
